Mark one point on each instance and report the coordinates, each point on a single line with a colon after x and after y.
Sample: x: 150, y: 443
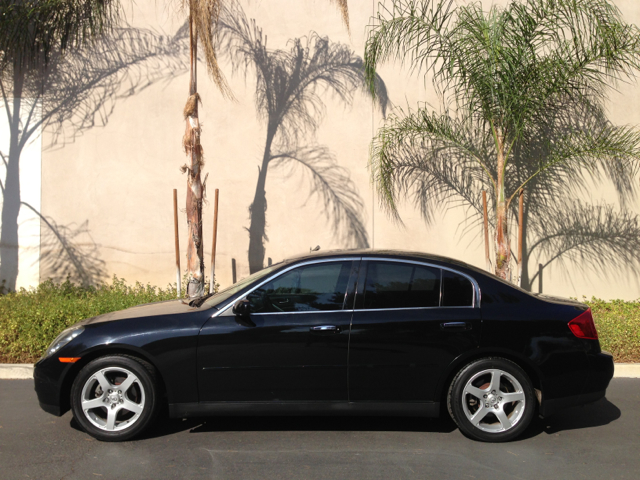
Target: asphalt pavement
x: 599, y: 441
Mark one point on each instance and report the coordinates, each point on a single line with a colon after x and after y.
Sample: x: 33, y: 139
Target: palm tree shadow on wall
x: 290, y: 87
x: 69, y: 252
x: 74, y: 93
x: 561, y: 223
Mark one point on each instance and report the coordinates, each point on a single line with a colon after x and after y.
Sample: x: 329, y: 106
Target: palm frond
x: 205, y: 15
x: 417, y: 142
x: 332, y: 185
x: 344, y: 10
x: 598, y: 236
x: 612, y: 150
x: 31, y: 30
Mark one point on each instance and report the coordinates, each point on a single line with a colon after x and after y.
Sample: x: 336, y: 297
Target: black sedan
x: 358, y: 333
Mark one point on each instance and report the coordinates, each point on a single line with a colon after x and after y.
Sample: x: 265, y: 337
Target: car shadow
x: 168, y: 426
x: 595, y: 414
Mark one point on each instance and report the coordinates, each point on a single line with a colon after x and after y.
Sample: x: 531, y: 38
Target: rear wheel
x: 115, y: 398
x: 491, y: 400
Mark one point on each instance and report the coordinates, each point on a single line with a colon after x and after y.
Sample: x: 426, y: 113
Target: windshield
x: 229, y: 292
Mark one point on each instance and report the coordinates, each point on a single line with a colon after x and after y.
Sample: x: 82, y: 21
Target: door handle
x: 455, y: 326
x: 325, y: 329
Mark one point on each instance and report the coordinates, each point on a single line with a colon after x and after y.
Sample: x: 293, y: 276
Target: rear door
x: 411, y: 320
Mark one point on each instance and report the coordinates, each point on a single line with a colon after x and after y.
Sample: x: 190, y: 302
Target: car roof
x: 399, y: 254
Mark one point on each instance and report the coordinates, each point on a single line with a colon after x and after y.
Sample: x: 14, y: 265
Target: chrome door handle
x: 455, y: 326
x: 325, y: 329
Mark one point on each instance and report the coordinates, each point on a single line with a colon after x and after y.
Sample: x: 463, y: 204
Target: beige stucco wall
x: 119, y: 176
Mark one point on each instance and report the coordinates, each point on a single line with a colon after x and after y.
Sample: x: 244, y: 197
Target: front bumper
x: 600, y: 374
x: 48, y: 376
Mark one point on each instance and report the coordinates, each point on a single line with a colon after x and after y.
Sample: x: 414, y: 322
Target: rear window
x: 401, y: 285
x: 457, y: 291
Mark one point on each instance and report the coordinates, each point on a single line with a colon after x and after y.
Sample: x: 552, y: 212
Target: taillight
x: 583, y: 327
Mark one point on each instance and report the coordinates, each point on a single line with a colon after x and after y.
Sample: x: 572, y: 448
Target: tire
x: 115, y: 398
x: 491, y: 400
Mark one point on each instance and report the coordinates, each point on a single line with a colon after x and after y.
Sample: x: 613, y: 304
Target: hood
x: 169, y: 307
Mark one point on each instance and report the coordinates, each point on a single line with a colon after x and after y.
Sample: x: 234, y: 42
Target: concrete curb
x: 25, y: 370
x: 627, y: 370
x: 16, y: 370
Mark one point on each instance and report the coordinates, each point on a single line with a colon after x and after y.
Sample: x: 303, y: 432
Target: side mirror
x: 242, y: 308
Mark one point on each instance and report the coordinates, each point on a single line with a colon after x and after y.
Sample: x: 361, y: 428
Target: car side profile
x: 338, y: 333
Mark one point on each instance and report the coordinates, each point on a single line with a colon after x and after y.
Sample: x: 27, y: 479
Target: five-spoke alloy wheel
x: 492, y: 400
x: 114, y: 398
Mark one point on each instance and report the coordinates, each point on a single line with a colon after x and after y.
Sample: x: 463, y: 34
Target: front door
x: 292, y: 347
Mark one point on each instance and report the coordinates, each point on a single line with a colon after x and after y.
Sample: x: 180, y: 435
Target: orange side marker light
x: 69, y: 359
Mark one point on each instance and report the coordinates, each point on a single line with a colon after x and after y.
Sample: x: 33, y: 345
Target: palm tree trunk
x: 195, y: 187
x: 503, y: 250
x: 258, y: 212
x: 11, y: 201
x: 526, y: 282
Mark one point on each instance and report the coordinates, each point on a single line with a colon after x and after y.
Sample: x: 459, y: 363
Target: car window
x: 228, y: 292
x: 457, y: 291
x: 401, y: 285
x: 317, y: 287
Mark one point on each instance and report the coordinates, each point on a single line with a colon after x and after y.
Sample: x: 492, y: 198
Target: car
x: 358, y: 332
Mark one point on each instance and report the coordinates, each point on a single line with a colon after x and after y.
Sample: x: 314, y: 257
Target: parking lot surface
x: 601, y: 441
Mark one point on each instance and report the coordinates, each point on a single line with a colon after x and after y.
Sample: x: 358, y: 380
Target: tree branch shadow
x: 72, y: 94
x: 291, y: 87
x: 64, y: 255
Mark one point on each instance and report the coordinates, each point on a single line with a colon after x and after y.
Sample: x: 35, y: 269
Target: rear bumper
x: 595, y: 388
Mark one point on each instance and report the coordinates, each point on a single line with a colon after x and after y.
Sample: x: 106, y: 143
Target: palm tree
x: 289, y: 86
x: 511, y: 75
x: 31, y: 33
x: 203, y: 19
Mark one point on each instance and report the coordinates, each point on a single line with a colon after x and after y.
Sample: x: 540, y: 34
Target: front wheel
x: 115, y: 398
x: 491, y: 400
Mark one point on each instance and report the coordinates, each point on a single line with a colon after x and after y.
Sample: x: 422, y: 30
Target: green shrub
x: 31, y: 319
x: 618, y: 324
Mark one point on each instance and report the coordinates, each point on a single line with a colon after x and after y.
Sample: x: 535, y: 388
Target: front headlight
x: 61, y: 340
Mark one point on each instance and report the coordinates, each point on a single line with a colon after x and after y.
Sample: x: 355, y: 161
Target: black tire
x: 482, y: 410
x: 111, y: 414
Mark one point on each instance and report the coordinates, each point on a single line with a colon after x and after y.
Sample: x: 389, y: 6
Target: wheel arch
x: 103, y: 351
x: 461, y: 361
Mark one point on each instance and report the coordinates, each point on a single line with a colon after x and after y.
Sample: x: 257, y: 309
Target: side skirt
x: 407, y: 409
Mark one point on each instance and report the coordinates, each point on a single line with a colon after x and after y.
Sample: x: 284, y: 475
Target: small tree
x: 511, y: 75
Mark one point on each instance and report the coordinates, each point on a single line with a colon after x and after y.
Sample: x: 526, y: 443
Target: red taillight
x: 583, y: 327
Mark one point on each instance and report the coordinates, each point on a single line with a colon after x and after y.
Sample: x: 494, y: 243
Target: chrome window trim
x: 406, y: 308
x: 477, y: 295
x: 282, y: 272
x: 303, y: 311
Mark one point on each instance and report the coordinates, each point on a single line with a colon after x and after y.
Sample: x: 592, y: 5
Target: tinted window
x: 457, y: 291
x: 309, y: 288
x: 401, y: 285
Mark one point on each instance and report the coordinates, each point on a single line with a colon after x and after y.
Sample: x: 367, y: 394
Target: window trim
x: 476, y: 288
x: 282, y: 272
